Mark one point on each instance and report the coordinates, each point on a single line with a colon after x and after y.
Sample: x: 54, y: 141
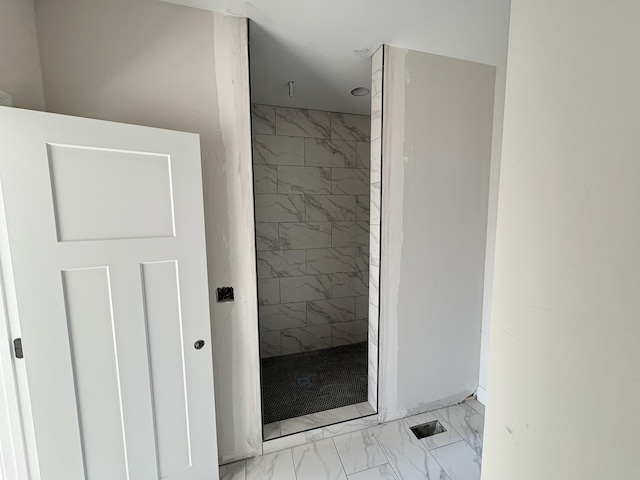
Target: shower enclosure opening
x: 317, y: 204
x: 312, y: 196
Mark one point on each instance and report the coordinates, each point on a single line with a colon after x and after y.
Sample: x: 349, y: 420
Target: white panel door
x: 103, y: 260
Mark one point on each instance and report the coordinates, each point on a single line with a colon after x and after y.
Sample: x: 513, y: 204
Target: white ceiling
x: 324, y: 45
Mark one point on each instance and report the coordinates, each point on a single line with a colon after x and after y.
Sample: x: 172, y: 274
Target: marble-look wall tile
x: 362, y: 233
x: 372, y: 390
x: 363, y: 153
x: 374, y: 245
x: 347, y: 333
x: 304, y: 180
x: 265, y: 179
x: 322, y: 312
x: 376, y: 160
x: 331, y: 260
x: 282, y: 316
x: 409, y: 457
x: 329, y: 153
x: 350, y: 181
x: 362, y: 208
x: 362, y: 259
x: 344, y: 235
x: 305, y: 235
x: 270, y: 344
x: 298, y: 122
x: 330, y: 208
x: 346, y: 126
x: 272, y: 466
x: 362, y: 307
x: 318, y: 461
x: 376, y: 117
x: 359, y: 451
x: 376, y: 71
x: 278, y: 150
x: 263, y: 119
x: 281, y: 263
x: 268, y: 291
x: 296, y: 340
x: 373, y: 326
x: 372, y: 357
x: 374, y: 281
x: 374, y: 205
x: 301, y: 289
x: 266, y: 236
x: 279, y: 208
x: 349, y: 284
x: 294, y: 158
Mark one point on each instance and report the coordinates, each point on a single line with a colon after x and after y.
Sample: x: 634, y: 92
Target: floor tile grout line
x: 333, y: 441
x: 395, y: 471
x: 438, y: 461
x: 293, y: 460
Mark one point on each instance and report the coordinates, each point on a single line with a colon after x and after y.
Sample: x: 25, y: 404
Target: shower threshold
x: 316, y: 420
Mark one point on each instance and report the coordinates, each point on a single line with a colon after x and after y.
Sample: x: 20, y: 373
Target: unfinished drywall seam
x: 236, y: 345
x: 393, y: 116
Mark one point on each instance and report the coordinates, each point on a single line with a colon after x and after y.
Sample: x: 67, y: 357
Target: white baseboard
x: 482, y: 396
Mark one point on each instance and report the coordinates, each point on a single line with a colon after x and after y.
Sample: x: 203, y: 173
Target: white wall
x: 20, y: 73
x: 157, y: 64
x: 563, y: 376
x: 492, y: 219
x: 436, y: 143
x: 325, y: 45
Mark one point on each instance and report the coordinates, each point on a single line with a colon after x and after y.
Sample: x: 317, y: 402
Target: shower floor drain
x: 337, y: 377
x: 304, y: 381
x: 428, y: 429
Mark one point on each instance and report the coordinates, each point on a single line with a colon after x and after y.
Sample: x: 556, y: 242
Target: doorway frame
x: 375, y: 245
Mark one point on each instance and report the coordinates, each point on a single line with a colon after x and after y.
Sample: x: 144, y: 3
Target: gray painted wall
x: 20, y: 72
x: 436, y: 144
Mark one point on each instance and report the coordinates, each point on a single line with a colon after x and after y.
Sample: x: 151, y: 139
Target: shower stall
x: 312, y: 196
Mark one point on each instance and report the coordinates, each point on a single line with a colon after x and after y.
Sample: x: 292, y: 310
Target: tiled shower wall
x: 312, y: 182
x: 377, y: 69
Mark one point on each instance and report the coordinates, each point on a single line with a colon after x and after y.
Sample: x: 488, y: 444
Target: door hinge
x: 17, y: 347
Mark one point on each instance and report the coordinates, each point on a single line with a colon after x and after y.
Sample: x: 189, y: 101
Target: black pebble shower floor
x: 337, y: 377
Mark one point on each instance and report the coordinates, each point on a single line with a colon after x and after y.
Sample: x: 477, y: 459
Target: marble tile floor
x: 385, y: 451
